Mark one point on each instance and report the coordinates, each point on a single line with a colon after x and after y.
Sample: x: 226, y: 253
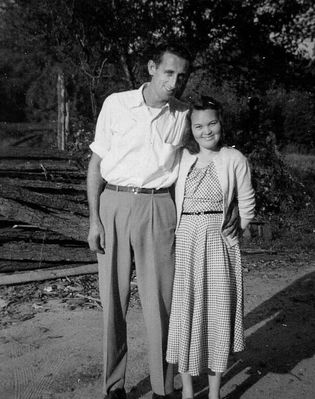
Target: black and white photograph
x: 157, y: 199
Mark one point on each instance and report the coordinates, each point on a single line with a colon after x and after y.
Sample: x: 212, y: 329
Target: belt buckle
x: 135, y: 190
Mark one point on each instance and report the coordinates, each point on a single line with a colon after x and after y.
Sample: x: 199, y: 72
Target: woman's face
x: 206, y: 128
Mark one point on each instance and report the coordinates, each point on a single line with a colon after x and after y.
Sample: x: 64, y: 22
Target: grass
x: 303, y: 167
x: 300, y: 162
x: 296, y: 230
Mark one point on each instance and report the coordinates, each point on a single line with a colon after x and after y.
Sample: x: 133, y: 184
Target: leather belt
x: 136, y: 190
x: 201, y: 213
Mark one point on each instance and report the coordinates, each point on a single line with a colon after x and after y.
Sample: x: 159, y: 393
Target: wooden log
x: 49, y: 165
x: 11, y: 266
x: 73, y: 226
x: 28, y: 233
x: 41, y: 252
x: 42, y: 154
x: 39, y: 275
x: 43, y: 200
x: 79, y: 200
x: 44, y: 184
x: 60, y: 175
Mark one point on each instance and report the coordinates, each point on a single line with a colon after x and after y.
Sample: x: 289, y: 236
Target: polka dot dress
x: 206, y: 321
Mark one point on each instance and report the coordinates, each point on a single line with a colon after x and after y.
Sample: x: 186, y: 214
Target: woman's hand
x: 232, y: 225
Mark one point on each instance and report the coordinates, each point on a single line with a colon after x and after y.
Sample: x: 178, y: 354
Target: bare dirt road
x: 56, y: 353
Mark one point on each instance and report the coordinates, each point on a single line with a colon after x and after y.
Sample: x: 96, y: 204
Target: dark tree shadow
x: 286, y: 338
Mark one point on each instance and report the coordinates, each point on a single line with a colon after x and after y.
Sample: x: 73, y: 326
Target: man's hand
x: 232, y: 226
x: 96, y: 237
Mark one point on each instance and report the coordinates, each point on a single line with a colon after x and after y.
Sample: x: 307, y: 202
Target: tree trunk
x: 127, y: 70
x: 92, y: 98
x: 67, y: 122
x: 61, y: 112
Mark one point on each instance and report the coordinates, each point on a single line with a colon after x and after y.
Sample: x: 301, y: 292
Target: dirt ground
x: 52, y: 348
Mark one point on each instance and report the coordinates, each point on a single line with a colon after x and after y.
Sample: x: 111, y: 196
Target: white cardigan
x: 235, y: 179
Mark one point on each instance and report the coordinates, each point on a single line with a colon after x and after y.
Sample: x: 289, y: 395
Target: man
x: 136, y: 155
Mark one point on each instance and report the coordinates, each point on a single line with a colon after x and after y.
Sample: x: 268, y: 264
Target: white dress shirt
x: 139, y: 145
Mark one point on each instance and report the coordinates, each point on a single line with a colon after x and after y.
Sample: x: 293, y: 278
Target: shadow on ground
x: 285, y: 338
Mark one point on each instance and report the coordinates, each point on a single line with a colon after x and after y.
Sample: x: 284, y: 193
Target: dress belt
x: 201, y: 213
x: 136, y: 190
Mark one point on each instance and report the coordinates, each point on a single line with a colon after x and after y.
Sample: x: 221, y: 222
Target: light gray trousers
x: 141, y: 225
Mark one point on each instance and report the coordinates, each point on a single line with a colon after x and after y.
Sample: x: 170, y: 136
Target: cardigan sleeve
x: 245, y: 191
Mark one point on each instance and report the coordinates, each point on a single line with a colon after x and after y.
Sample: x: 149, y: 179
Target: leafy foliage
x: 79, y: 141
x: 100, y: 45
x: 242, y: 49
x: 291, y: 115
x: 278, y: 191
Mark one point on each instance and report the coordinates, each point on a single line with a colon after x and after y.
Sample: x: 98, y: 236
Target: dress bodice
x: 203, y: 190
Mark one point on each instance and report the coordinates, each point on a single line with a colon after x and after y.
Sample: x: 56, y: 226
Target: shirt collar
x: 138, y: 100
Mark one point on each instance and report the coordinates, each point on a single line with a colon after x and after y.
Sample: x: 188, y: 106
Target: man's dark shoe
x: 116, y: 394
x: 169, y: 396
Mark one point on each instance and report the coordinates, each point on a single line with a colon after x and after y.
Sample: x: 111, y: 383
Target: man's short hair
x: 170, y: 47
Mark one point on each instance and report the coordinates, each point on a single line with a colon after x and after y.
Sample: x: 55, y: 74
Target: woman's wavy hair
x: 201, y: 103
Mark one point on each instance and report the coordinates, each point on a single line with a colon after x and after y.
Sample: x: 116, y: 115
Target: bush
x: 80, y: 137
x: 290, y: 114
x: 278, y: 190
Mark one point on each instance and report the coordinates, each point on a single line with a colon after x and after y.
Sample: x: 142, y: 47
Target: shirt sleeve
x: 175, y: 136
x: 246, y: 194
x: 103, y: 133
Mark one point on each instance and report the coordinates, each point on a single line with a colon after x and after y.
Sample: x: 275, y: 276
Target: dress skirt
x: 206, y: 321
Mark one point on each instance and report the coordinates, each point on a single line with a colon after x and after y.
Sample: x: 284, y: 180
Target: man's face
x: 169, y: 77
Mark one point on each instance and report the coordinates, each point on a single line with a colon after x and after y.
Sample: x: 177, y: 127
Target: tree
x: 100, y: 45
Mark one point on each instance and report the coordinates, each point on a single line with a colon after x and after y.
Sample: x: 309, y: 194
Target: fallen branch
x: 90, y: 298
x: 43, y: 184
x: 258, y: 251
x: 38, y: 275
